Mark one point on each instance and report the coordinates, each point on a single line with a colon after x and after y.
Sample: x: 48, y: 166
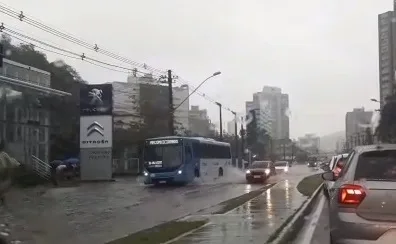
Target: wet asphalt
x: 100, y: 212
x: 256, y: 220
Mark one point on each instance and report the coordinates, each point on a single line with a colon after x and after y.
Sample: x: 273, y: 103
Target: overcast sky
x: 324, y: 54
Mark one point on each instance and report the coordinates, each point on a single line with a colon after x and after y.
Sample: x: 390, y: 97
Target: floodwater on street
x: 256, y: 220
x: 100, y: 212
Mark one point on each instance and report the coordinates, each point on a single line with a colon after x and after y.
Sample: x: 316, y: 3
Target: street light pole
x: 236, y: 138
x: 221, y: 121
x: 189, y: 95
x: 242, y: 152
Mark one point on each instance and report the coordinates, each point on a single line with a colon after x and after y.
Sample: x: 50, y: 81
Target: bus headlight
x: 179, y: 172
x: 145, y: 173
x: 267, y: 171
x: 286, y: 169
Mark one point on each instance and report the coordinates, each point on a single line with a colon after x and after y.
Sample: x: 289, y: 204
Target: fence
x: 127, y: 166
x: 41, y: 168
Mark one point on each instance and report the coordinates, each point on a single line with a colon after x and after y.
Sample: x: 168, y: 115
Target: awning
x: 35, y: 87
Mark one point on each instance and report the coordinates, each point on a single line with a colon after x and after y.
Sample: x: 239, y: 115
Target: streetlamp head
x: 374, y: 100
x: 216, y: 73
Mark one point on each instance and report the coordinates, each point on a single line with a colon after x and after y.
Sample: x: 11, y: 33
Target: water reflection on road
x: 100, y: 212
x: 257, y: 219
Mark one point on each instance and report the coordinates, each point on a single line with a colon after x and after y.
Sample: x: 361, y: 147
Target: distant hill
x: 329, y: 142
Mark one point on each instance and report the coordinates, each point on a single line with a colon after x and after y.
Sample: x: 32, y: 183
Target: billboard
x: 96, y: 100
x: 96, y: 164
x: 96, y: 131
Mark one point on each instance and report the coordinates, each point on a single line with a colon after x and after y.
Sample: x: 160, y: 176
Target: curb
x: 296, y: 223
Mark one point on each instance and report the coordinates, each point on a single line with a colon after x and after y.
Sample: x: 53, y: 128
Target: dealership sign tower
x: 96, y: 131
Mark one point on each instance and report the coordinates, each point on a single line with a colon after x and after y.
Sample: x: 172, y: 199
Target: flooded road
x: 100, y: 212
x: 256, y: 220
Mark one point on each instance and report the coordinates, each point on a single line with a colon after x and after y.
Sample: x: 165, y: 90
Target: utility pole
x: 171, y: 115
x: 221, y: 121
x: 242, y: 144
x: 236, y: 138
x: 284, y: 149
x: 292, y: 153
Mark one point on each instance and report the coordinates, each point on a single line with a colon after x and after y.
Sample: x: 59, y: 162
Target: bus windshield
x: 163, y: 156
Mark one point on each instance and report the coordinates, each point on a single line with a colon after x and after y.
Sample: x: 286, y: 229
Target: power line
x: 69, y: 54
x: 31, y: 21
x: 94, y: 47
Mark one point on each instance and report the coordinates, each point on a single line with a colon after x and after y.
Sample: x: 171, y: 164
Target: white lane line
x: 308, y: 234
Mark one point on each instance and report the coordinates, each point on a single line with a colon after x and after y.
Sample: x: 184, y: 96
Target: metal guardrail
x: 41, y: 168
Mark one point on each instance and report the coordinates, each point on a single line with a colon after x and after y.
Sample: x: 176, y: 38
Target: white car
x: 282, y: 166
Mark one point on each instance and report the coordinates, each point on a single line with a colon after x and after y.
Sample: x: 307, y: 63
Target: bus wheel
x: 196, y: 173
x: 220, y: 172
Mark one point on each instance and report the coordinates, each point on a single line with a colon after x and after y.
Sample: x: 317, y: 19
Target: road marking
x: 308, y: 234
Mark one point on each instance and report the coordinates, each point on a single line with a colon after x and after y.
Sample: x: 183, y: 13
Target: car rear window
x: 377, y: 165
x: 256, y: 165
x: 281, y: 164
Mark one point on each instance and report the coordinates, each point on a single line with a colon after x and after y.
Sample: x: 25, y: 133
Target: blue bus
x: 182, y: 159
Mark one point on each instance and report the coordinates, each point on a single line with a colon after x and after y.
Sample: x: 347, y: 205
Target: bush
x: 25, y: 177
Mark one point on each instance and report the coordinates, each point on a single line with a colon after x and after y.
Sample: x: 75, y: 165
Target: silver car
x: 362, y: 201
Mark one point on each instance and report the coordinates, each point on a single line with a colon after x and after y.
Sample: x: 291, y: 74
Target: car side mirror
x: 329, y: 176
x: 326, y: 168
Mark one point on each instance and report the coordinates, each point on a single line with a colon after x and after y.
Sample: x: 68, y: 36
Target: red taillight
x: 351, y: 194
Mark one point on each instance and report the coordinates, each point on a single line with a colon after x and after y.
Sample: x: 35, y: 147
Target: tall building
x: 356, y: 122
x: 272, y: 106
x: 199, y: 123
x: 181, y: 113
x: 231, y: 127
x: 130, y: 97
x: 387, y: 54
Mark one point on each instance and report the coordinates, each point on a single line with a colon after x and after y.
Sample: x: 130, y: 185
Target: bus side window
x: 196, y: 150
x: 188, y: 153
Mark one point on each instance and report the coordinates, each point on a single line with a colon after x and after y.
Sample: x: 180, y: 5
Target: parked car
x: 336, y: 165
x: 260, y: 171
x: 363, y: 198
x: 282, y: 166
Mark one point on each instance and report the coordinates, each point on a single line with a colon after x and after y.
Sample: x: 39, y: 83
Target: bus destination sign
x: 154, y: 164
x: 164, y: 142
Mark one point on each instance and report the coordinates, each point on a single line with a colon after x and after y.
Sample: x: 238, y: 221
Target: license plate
x: 162, y: 181
x: 152, y: 175
x: 257, y: 176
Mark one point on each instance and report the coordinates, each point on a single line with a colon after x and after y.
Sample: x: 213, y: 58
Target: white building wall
x: 181, y: 113
x: 231, y: 127
x: 126, y: 102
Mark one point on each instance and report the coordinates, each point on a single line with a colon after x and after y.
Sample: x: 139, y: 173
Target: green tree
x: 386, y: 130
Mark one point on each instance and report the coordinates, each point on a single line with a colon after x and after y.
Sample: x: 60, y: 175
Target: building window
x: 41, y: 132
x: 19, y: 133
x: 42, y: 117
x: 42, y: 154
x: 10, y: 134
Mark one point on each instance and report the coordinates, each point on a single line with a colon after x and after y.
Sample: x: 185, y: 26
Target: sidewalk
x: 253, y: 222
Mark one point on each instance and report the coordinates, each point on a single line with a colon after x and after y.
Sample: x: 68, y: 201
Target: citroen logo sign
x: 95, y: 127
